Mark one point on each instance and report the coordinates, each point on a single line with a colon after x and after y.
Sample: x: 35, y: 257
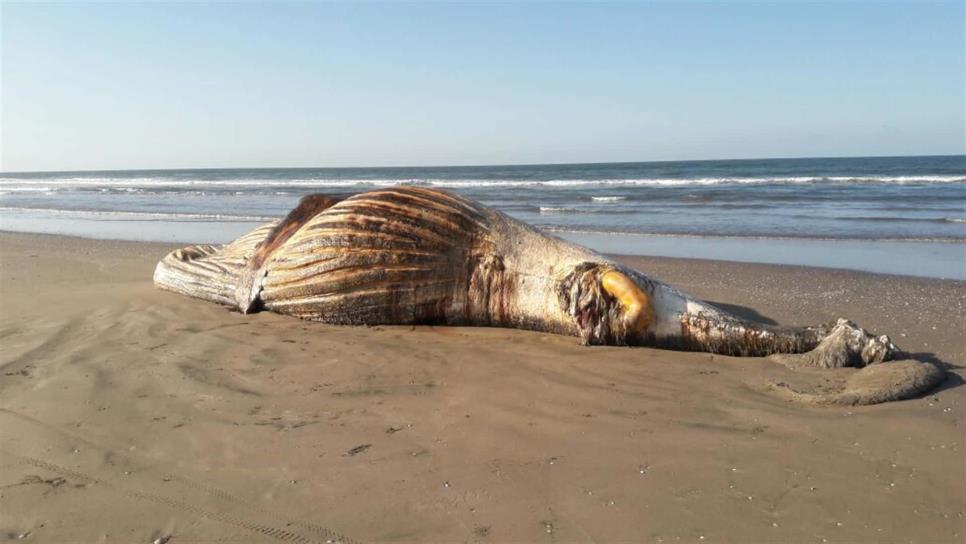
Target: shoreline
x: 946, y: 260
x: 627, y: 257
x: 132, y: 414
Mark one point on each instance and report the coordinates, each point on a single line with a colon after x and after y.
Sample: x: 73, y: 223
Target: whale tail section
x: 882, y: 374
x: 886, y: 382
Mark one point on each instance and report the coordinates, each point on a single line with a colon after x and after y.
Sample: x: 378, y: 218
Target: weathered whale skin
x: 410, y: 255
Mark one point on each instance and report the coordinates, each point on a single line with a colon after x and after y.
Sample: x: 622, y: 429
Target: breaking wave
x: 142, y: 216
x: 132, y: 184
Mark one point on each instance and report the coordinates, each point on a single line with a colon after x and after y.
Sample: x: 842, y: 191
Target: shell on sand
x: 410, y: 255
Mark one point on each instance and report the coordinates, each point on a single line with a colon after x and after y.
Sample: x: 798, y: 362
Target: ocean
x: 901, y: 215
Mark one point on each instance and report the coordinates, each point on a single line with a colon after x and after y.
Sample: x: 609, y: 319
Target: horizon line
x: 491, y: 165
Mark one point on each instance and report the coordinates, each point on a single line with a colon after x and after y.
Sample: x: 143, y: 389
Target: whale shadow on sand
x: 744, y: 312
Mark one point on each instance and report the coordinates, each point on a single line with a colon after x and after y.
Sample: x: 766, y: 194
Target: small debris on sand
x: 358, y: 449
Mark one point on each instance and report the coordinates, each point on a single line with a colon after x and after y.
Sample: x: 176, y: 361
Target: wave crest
x: 55, y: 183
x: 148, y: 216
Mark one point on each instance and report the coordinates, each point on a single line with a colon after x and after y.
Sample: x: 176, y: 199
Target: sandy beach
x: 129, y: 414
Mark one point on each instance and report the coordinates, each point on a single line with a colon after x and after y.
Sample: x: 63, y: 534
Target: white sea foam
x: 557, y: 209
x: 709, y: 236
x: 54, y: 183
x: 27, y: 189
x: 146, y: 216
x: 548, y: 210
x: 608, y: 198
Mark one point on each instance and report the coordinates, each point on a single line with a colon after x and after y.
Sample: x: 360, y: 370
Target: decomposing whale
x: 415, y: 255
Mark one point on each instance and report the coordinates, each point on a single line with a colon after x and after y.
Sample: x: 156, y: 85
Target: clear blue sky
x: 111, y: 86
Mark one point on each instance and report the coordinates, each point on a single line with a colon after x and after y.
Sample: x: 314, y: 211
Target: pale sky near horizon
x: 124, y: 86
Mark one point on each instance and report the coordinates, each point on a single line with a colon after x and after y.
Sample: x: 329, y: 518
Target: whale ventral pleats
x: 488, y: 290
x: 394, y: 256
x: 307, y: 208
x: 248, y: 286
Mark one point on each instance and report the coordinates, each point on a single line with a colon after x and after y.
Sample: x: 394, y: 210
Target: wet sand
x: 129, y: 414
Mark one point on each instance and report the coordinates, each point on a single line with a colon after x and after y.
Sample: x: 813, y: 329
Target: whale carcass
x: 413, y: 255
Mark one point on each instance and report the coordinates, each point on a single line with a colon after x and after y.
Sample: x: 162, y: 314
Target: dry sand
x: 129, y: 414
